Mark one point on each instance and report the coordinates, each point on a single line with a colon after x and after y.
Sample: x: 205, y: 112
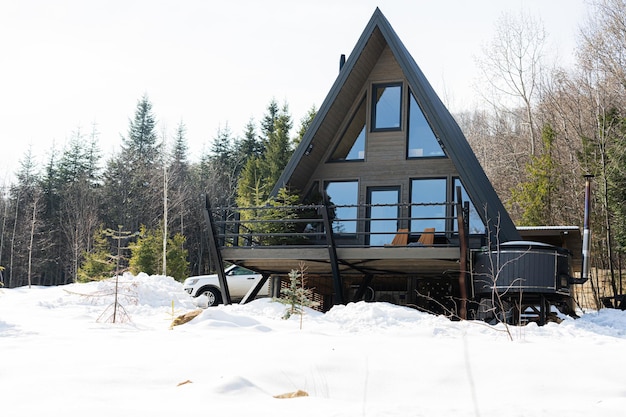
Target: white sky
x: 67, y: 64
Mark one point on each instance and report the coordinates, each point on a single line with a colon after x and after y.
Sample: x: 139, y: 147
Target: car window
x: 241, y: 271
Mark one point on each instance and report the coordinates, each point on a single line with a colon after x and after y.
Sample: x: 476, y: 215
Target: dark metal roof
x: 377, y: 34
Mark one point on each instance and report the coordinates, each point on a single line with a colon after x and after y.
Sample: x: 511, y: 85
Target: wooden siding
x: 385, y: 161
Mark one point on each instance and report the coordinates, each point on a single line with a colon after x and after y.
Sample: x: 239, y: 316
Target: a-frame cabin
x: 394, y: 178
x: 383, y: 125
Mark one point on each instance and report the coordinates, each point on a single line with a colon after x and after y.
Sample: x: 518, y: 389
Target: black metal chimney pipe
x: 586, y: 229
x: 342, y: 61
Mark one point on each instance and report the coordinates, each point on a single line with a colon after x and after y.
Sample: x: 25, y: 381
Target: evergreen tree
x: 179, y: 164
x: 133, y: 180
x: 147, y: 254
x: 278, y: 149
x: 177, y: 255
x: 140, y: 145
x: 250, y: 146
x: 78, y: 193
x: 535, y: 195
x: 22, y: 197
x: 268, y: 123
x: 252, y: 188
x: 616, y: 177
x: 261, y: 173
x: 98, y: 263
x: 223, y: 147
x: 305, y: 123
x: 296, y: 295
x: 280, y: 208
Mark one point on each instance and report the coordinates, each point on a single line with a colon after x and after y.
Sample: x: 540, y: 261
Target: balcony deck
x: 388, y: 260
x: 276, y: 240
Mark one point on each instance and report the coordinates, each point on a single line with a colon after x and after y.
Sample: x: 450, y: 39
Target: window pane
x: 383, y: 212
x: 476, y: 224
x: 422, y: 140
x: 387, y: 107
x: 429, y: 215
x: 345, y: 193
x: 351, y: 147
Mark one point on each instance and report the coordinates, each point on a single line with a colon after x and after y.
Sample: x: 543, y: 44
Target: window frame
x: 368, y: 226
x: 410, y: 97
x: 362, y: 103
x: 355, y: 222
x: 445, y: 219
x: 374, y: 106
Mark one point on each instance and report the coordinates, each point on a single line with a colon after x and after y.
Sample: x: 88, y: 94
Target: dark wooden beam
x: 214, y: 251
x: 332, y: 253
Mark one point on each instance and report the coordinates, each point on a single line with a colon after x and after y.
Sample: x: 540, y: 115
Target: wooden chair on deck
x: 428, y: 236
x: 401, y: 238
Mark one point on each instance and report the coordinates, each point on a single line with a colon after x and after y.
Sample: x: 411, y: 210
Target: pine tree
x: 535, y: 195
x: 296, y: 295
x: 268, y: 123
x: 250, y: 146
x: 278, y: 149
x: 179, y: 164
x: 616, y: 176
x: 282, y: 207
x: 147, y: 250
x: 252, y: 188
x: 140, y: 144
x: 181, y: 190
x: 223, y: 147
x: 133, y: 180
x: 98, y: 263
x: 22, y: 197
x: 261, y: 173
x: 177, y: 255
x: 78, y: 192
x: 305, y: 123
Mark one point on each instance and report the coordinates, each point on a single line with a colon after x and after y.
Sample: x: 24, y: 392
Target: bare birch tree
x: 511, y: 65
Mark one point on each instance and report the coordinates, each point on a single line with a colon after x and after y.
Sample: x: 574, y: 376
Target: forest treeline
x: 537, y: 130
x: 82, y: 218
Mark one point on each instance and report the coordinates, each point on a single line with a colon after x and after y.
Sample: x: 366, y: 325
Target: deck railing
x: 308, y: 224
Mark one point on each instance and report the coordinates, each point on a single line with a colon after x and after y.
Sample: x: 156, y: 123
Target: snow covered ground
x: 59, y: 356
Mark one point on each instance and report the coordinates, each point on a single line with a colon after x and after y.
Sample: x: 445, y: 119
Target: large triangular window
x: 476, y: 225
x: 351, y: 146
x: 422, y: 142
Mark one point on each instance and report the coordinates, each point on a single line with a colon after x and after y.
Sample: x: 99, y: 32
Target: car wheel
x: 212, y: 294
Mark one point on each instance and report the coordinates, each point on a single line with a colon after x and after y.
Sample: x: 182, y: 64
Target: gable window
x: 421, y: 139
x: 345, y: 196
x: 386, y: 106
x: 351, y: 146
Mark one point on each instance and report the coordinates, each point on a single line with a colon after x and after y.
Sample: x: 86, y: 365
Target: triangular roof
x: 377, y: 35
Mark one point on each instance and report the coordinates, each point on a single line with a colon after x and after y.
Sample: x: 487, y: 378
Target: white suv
x: 240, y: 281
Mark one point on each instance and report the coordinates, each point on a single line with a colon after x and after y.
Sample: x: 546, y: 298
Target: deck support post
x: 544, y: 308
x: 214, y: 251
x: 332, y: 253
x: 254, y: 290
x: 463, y: 252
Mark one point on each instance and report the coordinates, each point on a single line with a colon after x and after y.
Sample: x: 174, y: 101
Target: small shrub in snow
x: 296, y: 296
